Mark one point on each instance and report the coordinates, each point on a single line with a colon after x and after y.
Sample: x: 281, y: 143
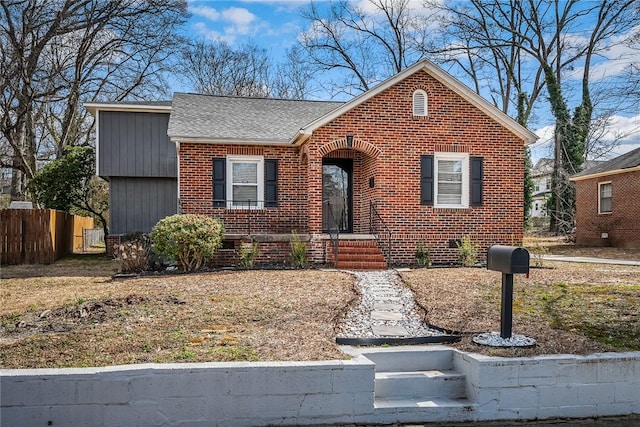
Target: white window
x: 451, y: 171
x: 604, y: 201
x: 245, y: 182
x: 419, y: 103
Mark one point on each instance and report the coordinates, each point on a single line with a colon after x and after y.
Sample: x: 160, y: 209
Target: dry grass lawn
x: 84, y: 318
x: 73, y: 313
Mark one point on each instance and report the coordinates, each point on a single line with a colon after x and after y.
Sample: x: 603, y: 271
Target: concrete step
x: 388, y: 411
x: 420, y: 385
x: 409, y: 360
x: 431, y: 402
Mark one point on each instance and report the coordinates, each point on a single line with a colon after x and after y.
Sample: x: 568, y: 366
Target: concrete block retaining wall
x: 552, y: 386
x: 249, y: 394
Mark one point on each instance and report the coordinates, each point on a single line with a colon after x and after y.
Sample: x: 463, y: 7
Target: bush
x: 191, y: 240
x: 537, y: 254
x: 298, y: 251
x: 248, y: 253
x: 133, y: 253
x: 467, y: 252
x: 423, y: 255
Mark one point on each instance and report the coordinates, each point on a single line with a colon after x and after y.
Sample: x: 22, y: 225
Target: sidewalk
x: 564, y: 258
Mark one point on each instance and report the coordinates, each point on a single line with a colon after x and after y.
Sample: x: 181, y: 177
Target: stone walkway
x: 386, y: 309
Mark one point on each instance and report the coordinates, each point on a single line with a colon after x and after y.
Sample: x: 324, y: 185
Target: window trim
x: 466, y: 179
x: 425, y: 103
x: 600, y: 211
x: 259, y: 160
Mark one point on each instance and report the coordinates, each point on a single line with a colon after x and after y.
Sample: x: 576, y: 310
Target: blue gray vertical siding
x: 135, y: 144
x: 140, y: 162
x: 137, y: 204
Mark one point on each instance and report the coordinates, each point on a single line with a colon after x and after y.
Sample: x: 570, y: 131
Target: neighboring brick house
x: 418, y: 158
x: 608, y: 203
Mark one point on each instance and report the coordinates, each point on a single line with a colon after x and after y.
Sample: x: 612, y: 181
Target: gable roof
x: 625, y: 163
x: 443, y: 77
x: 248, y: 120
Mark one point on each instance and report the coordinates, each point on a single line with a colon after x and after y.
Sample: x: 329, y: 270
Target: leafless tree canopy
x: 364, y: 45
x: 56, y: 54
x: 215, y: 68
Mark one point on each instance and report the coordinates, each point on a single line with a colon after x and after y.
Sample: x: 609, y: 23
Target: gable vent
x: 419, y: 103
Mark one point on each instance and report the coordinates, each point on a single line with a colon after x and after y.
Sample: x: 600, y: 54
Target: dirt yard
x: 73, y: 313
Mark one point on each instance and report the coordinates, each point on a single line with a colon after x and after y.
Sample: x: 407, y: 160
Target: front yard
x: 72, y: 313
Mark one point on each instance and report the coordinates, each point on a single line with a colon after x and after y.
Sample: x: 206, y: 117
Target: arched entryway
x: 337, y: 194
x: 348, y: 185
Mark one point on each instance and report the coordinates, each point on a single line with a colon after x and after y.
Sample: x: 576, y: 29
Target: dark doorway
x: 337, y: 195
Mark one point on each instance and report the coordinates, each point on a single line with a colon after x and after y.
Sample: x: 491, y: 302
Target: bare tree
x: 215, y: 68
x: 293, y: 79
x: 55, y: 54
x: 558, y: 36
x: 366, y: 45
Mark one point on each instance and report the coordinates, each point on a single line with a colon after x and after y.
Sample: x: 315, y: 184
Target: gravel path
x: 386, y: 309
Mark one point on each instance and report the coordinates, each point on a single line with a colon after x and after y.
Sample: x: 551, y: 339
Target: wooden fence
x: 39, y: 236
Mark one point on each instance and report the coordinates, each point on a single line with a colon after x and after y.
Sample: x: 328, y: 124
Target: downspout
x: 178, y: 206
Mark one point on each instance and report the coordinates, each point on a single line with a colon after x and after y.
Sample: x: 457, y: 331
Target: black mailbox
x: 508, y: 259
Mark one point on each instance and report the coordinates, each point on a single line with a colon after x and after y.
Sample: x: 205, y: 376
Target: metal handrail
x: 333, y: 229
x: 373, y: 216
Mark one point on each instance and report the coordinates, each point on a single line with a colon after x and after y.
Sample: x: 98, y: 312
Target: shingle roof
x: 625, y: 161
x: 208, y: 117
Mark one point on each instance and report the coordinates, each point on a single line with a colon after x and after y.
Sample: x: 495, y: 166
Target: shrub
x: 537, y: 254
x: 423, y: 255
x: 467, y: 252
x: 133, y: 253
x: 248, y: 253
x: 191, y: 240
x: 298, y: 251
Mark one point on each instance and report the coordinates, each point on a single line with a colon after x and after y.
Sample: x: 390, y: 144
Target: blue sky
x: 276, y: 24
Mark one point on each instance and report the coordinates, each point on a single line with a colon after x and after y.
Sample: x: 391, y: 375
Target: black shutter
x: 476, y: 181
x: 271, y: 183
x: 219, y: 182
x: 426, y: 180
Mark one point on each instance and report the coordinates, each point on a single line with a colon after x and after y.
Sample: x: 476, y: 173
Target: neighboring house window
x: 536, y: 208
x: 451, y: 180
x: 419, y: 103
x: 548, y: 184
x: 537, y: 186
x: 604, y: 201
x: 245, y: 182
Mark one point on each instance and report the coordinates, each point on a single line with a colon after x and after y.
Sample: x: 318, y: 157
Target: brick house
x: 418, y: 158
x: 607, y: 203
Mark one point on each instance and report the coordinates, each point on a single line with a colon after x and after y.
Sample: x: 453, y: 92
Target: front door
x: 337, y: 195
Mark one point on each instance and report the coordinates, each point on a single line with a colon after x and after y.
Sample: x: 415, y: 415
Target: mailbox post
x: 509, y: 260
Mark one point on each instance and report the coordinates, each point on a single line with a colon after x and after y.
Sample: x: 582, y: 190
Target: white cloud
x: 235, y: 21
x: 238, y: 16
x: 626, y: 129
x: 206, y: 12
x: 616, y: 57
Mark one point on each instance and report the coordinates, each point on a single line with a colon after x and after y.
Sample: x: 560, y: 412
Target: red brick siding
x: 386, y: 122
x: 622, y: 224
x: 196, y: 189
x: 388, y: 144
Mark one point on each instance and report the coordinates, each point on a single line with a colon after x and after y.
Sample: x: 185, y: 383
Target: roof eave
x: 93, y: 107
x: 605, y: 173
x: 210, y: 140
